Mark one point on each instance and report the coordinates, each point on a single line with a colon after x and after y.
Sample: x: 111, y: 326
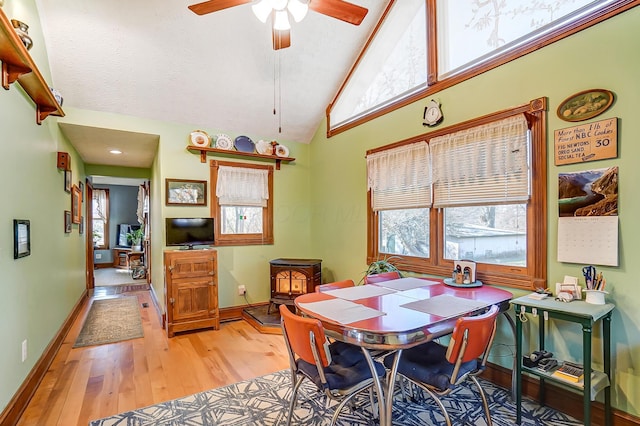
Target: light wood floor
x: 88, y: 383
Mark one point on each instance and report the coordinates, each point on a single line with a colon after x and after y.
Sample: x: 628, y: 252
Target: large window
x: 472, y: 191
x: 243, y: 206
x: 100, y: 206
x: 424, y: 46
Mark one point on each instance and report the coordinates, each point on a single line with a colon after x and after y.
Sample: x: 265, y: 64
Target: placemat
x: 445, y: 306
x: 342, y: 311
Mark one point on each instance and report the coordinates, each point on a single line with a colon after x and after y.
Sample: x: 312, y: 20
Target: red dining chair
x: 339, y: 369
x: 438, y: 369
x: 382, y: 276
x: 334, y: 285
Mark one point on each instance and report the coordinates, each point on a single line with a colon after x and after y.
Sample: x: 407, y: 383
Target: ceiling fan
x: 280, y: 10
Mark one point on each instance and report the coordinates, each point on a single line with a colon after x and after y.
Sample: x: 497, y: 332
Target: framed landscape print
x: 67, y: 180
x: 76, y: 204
x: 183, y: 192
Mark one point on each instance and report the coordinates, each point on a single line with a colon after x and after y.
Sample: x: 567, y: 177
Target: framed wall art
x: 81, y: 226
x: 67, y: 221
x: 183, y: 192
x: 76, y: 204
x: 21, y: 238
x: 67, y: 180
x: 585, y: 105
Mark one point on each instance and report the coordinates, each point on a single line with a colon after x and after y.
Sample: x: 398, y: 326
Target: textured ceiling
x: 161, y: 61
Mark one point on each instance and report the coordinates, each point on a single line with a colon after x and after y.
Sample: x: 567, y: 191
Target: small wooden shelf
x: 17, y: 65
x: 225, y: 152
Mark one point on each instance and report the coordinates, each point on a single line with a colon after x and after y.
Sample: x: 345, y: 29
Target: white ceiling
x: 217, y: 72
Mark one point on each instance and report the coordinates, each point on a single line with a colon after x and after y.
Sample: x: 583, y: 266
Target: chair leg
x: 294, y: 395
x: 484, y: 400
x: 437, y: 401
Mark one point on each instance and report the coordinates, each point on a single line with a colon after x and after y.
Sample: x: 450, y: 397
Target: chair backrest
x: 334, y: 285
x: 383, y: 276
x: 472, y: 337
x: 297, y: 332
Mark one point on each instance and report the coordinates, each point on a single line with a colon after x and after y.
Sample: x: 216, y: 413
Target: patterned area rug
x: 264, y: 401
x: 111, y: 320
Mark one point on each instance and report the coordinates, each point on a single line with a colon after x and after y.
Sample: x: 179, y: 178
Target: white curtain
x: 100, y: 204
x: 400, y: 178
x: 484, y: 165
x: 239, y: 186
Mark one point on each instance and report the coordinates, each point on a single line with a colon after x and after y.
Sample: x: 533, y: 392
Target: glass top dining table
x: 395, y: 315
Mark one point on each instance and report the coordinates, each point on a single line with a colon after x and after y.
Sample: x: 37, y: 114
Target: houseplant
x: 136, y: 238
x: 381, y: 265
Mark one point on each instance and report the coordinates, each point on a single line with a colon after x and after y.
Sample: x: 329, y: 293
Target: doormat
x: 111, y: 320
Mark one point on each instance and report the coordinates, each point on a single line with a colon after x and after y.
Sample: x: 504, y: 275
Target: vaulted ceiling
x: 216, y: 72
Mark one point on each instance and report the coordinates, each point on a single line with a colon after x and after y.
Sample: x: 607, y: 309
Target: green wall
x: 320, y: 199
x: 40, y: 290
x: 605, y: 56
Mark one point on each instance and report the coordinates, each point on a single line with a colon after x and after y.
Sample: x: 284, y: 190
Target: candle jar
x: 22, y: 30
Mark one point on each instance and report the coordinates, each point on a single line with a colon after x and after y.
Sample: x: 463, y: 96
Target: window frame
x: 266, y: 237
x: 435, y: 85
x: 529, y: 277
x: 107, y: 243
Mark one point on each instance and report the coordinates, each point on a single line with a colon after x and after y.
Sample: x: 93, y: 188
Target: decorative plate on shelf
x: 199, y: 138
x: 263, y: 147
x: 244, y: 144
x: 224, y: 142
x: 585, y: 105
x: 282, y: 151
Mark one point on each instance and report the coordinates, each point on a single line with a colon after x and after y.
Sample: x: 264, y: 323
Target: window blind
x: 400, y: 178
x: 484, y: 165
x: 239, y: 186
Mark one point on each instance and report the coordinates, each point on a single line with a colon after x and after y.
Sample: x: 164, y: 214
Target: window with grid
x: 473, y: 191
x: 243, y: 206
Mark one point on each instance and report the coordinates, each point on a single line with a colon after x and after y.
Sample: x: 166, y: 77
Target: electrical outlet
x: 98, y: 256
x: 24, y: 350
x: 241, y: 290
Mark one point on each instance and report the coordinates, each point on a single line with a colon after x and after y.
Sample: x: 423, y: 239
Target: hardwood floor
x: 88, y: 383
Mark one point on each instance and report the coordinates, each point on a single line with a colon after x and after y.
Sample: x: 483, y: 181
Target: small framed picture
x: 81, y: 186
x: 76, y: 204
x: 67, y: 221
x: 81, y: 225
x: 183, y: 192
x: 67, y: 180
x: 21, y: 238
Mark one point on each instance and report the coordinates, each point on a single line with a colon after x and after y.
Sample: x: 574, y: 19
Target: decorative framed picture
x: 81, y: 186
x: 21, y: 238
x: 76, y: 204
x: 67, y: 180
x: 585, y: 105
x: 67, y: 221
x: 81, y: 225
x: 183, y: 192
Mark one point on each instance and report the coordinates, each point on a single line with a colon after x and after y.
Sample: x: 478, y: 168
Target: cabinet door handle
x: 212, y: 273
x: 170, y: 268
x: 172, y: 301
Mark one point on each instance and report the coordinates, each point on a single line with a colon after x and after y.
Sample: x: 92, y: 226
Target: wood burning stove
x: 292, y: 277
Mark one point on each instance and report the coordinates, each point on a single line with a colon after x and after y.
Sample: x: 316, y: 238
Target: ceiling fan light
x: 281, y: 20
x: 298, y: 9
x: 262, y: 10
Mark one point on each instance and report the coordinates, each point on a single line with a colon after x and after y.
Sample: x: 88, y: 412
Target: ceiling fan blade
x: 339, y: 9
x: 281, y: 39
x: 215, y: 5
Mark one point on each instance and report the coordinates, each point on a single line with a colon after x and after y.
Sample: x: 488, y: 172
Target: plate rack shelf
x: 17, y: 65
x: 225, y: 152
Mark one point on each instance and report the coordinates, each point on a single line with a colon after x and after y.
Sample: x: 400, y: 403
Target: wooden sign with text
x: 587, y: 142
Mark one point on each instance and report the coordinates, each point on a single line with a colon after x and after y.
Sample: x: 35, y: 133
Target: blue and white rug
x: 264, y: 401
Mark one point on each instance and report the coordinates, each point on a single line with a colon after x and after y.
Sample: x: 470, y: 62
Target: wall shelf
x: 17, y: 65
x: 225, y: 152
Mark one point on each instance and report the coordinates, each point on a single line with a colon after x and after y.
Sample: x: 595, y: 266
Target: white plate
x: 224, y: 142
x: 263, y: 147
x: 199, y: 138
x: 282, y: 151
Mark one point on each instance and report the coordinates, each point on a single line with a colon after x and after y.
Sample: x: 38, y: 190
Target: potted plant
x: 381, y: 265
x: 136, y: 239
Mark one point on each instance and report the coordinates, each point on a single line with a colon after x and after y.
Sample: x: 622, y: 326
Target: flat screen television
x: 189, y: 232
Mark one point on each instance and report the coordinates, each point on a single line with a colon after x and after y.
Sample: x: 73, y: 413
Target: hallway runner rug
x: 111, y: 320
x: 264, y: 402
